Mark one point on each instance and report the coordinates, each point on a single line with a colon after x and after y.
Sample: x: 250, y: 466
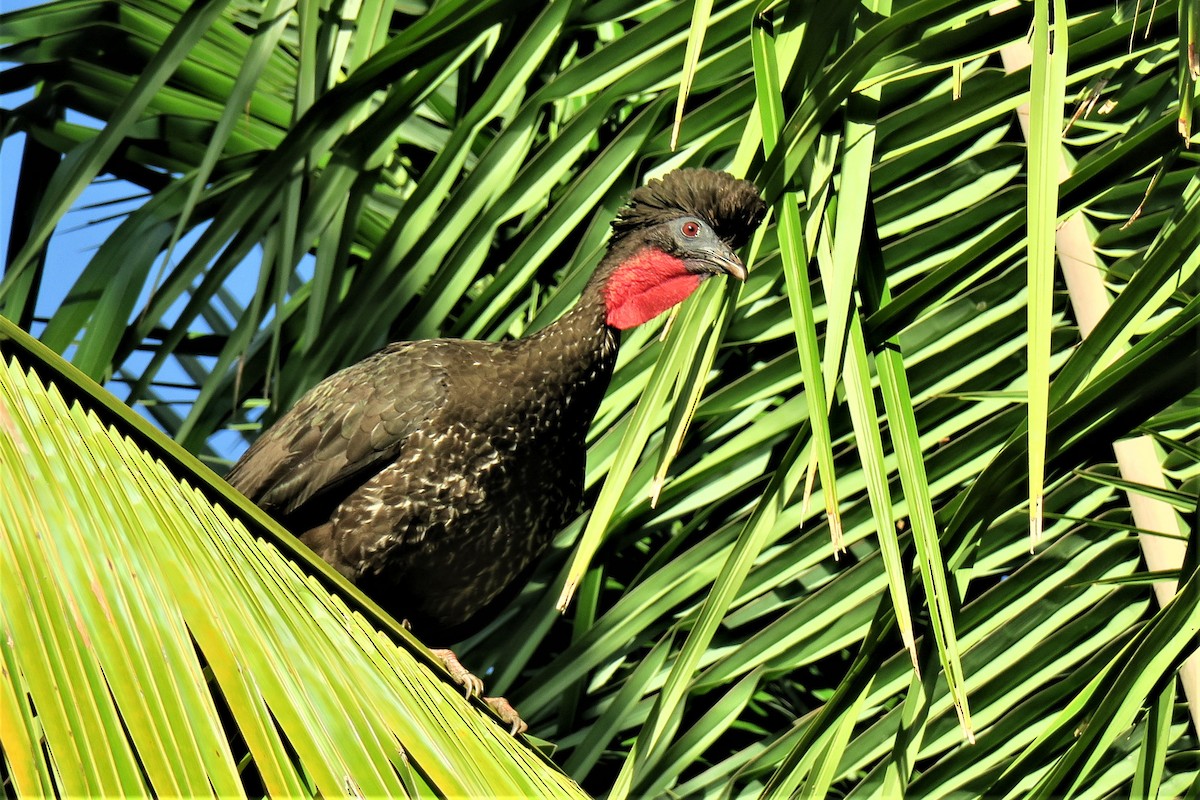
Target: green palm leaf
x: 155, y: 643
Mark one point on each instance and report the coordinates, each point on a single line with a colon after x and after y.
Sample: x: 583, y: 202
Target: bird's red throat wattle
x: 645, y: 285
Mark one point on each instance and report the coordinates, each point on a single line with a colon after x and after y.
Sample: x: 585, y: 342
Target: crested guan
x: 432, y: 473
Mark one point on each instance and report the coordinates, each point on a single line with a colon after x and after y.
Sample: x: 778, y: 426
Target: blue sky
x: 94, y: 216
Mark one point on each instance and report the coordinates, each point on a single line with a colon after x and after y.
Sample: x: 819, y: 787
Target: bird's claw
x: 474, y: 688
x: 461, y: 675
x: 506, y: 712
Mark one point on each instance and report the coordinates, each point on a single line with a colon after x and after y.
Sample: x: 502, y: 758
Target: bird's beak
x: 724, y: 259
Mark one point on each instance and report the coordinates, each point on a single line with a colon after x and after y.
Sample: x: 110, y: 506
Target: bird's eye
x: 691, y: 229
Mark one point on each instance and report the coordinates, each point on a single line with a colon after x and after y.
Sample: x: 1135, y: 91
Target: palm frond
x: 158, y: 639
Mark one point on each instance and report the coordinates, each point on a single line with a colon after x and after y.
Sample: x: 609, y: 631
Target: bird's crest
x: 732, y: 207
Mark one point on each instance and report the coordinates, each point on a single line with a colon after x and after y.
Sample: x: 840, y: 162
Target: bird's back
x: 433, y: 473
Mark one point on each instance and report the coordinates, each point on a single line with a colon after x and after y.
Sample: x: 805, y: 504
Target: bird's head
x: 674, y: 233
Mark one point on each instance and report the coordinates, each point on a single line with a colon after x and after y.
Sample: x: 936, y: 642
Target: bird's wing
x: 351, y: 424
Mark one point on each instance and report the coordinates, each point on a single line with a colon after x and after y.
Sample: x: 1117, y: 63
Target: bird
x: 433, y: 473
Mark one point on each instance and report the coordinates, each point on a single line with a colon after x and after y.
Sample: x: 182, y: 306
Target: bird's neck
x: 583, y: 327
x: 632, y: 285
x: 578, y: 350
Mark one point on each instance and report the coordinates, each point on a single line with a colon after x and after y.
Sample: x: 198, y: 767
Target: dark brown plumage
x: 433, y: 473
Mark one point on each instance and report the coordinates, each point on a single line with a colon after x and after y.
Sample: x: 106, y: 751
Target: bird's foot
x: 506, y: 712
x: 461, y: 675
x: 474, y: 687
